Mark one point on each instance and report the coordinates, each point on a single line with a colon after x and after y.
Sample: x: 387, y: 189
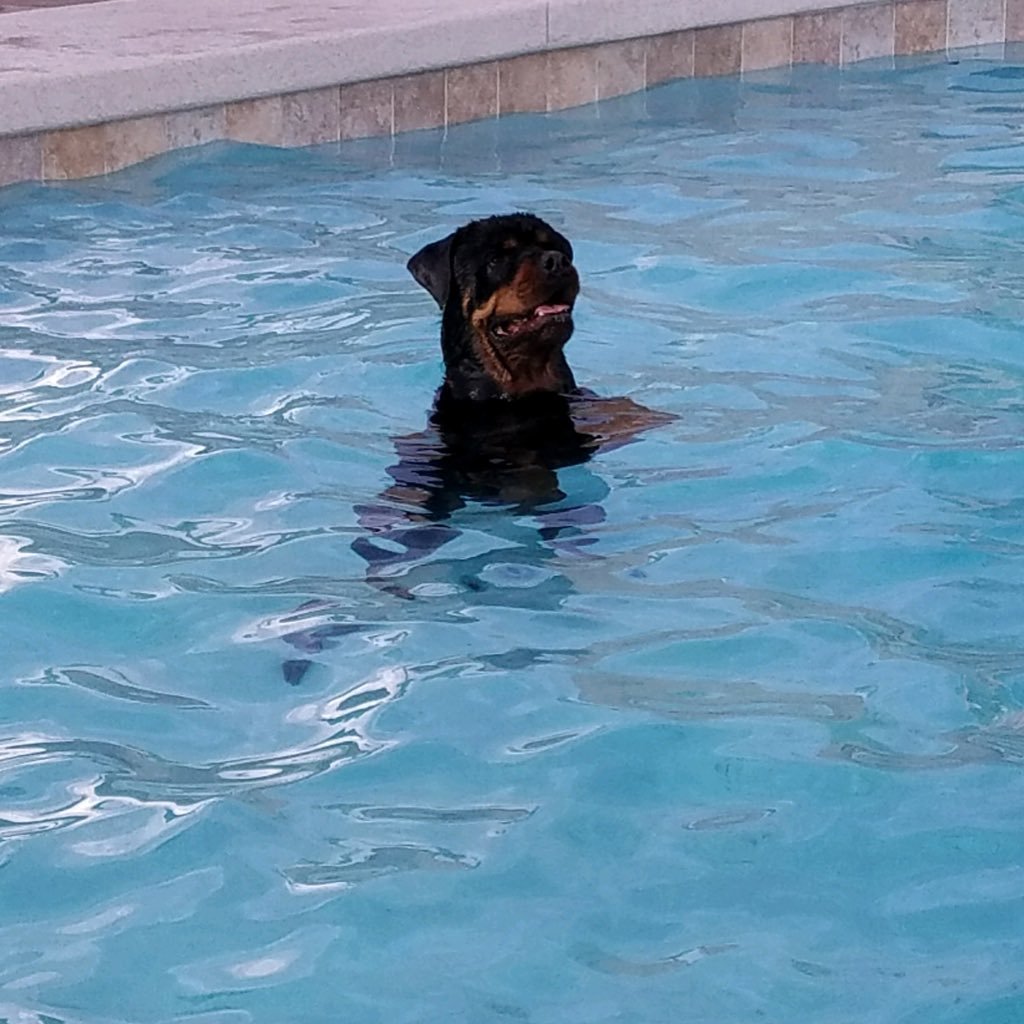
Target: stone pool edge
x: 403, y: 68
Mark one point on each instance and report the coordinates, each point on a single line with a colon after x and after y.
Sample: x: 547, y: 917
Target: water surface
x: 742, y: 743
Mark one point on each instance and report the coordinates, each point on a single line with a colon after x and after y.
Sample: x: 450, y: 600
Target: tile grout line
x: 445, y: 75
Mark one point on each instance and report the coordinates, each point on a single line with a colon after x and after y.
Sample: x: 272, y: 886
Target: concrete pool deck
x: 89, y: 88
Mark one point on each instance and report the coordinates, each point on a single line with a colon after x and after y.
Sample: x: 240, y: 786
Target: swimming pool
x: 743, y: 742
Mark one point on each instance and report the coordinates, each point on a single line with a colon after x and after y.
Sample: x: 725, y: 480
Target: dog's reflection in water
x: 508, y: 417
x: 511, y: 465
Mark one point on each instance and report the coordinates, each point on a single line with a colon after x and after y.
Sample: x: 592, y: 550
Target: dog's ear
x: 431, y: 267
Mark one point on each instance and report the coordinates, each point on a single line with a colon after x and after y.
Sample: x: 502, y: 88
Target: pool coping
x: 88, y: 89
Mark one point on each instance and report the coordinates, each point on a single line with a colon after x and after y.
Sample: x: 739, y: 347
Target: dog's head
x: 506, y: 286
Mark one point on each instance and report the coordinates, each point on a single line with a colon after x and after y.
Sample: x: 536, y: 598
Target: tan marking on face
x: 480, y: 317
x: 522, y: 368
x: 520, y: 371
x: 517, y: 298
x: 520, y: 296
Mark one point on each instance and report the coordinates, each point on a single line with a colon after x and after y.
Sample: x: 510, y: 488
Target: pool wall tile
x: 311, y: 118
x: 186, y: 128
x: 21, y: 158
x: 621, y: 68
x: 767, y: 44
x: 977, y: 22
x: 561, y: 53
x: 920, y: 26
x: 471, y: 93
x: 818, y: 38
x: 1015, y: 21
x: 669, y: 56
x: 74, y: 152
x: 134, y: 140
x: 367, y: 109
x: 572, y: 77
x: 718, y: 50
x: 258, y: 120
x: 868, y: 32
x: 523, y: 84
x: 419, y: 101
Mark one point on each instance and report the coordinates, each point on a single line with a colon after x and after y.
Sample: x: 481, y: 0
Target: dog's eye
x: 495, y: 264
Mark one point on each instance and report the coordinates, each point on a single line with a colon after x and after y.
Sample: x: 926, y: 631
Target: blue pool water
x: 745, y: 742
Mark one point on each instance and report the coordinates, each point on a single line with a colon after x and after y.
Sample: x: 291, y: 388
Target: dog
x: 507, y: 417
x: 506, y: 287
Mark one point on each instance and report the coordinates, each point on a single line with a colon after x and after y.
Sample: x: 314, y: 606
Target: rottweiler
x: 507, y: 417
x: 506, y: 287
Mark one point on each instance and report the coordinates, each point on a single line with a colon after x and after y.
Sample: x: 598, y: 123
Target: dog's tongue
x: 529, y: 322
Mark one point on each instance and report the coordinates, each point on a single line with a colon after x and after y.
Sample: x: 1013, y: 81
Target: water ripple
x: 358, y: 866
x: 557, y: 745
x: 111, y: 683
x: 122, y: 779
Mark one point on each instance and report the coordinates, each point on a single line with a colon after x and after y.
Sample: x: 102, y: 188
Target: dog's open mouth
x: 543, y: 315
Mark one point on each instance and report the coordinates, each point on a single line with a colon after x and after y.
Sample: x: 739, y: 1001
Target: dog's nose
x: 555, y: 263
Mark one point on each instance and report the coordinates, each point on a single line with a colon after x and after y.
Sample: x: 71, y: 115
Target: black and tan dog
x: 509, y: 413
x: 508, y: 416
x: 506, y: 287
